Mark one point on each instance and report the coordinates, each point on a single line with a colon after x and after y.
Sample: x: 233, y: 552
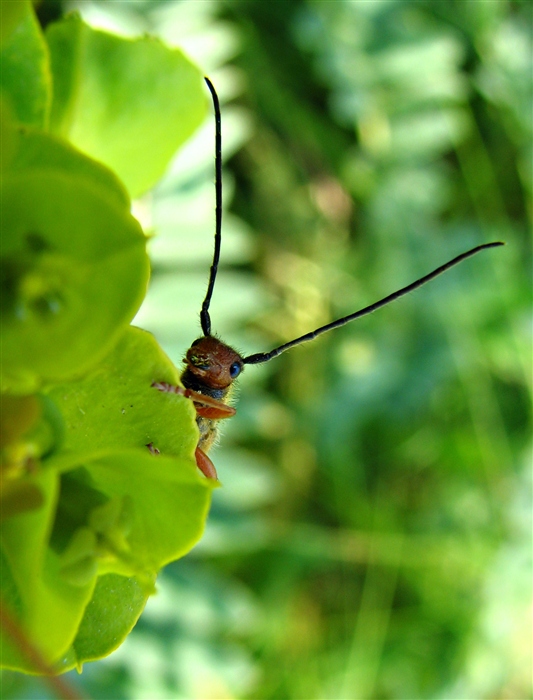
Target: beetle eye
x: 235, y: 369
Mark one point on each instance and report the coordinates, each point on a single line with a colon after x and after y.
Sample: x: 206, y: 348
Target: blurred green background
x: 373, y: 536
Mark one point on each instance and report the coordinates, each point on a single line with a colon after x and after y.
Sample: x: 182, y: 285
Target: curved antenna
x: 205, y: 319
x: 266, y: 356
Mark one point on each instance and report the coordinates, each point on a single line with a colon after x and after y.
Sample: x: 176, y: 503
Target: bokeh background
x: 373, y: 536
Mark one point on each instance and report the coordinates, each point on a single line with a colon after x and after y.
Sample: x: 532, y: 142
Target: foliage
x: 89, y: 515
x: 373, y: 539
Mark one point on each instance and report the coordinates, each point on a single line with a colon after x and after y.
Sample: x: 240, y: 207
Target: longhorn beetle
x: 211, y: 366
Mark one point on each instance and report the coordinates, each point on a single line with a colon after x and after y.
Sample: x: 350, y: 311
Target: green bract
x: 111, y: 99
x: 115, y: 405
x: 25, y: 75
x: 99, y: 486
x: 34, y: 149
x: 74, y: 271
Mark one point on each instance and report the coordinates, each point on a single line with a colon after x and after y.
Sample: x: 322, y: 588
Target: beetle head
x: 213, y: 363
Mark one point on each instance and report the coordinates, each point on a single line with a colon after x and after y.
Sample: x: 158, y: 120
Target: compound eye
x: 235, y: 370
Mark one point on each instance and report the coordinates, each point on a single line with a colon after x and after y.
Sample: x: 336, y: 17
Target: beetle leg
x: 206, y: 406
x: 214, y: 412
x: 205, y: 465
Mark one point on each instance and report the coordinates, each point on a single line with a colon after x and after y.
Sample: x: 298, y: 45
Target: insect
x: 211, y: 366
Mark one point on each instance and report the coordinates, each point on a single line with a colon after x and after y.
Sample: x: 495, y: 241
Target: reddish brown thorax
x: 213, y: 363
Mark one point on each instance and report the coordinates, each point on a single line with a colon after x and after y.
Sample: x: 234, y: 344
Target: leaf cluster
x: 89, y: 513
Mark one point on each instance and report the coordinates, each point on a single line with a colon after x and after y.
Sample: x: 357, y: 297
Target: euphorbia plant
x: 89, y: 514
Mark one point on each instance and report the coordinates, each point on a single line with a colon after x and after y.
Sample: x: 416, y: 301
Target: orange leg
x: 205, y: 465
x: 205, y: 405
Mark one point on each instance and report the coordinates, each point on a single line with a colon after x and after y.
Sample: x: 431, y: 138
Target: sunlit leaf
x: 130, y: 104
x: 108, y: 619
x: 115, y: 406
x: 73, y: 272
x: 38, y: 150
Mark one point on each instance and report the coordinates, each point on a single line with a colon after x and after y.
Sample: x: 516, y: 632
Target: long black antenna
x: 205, y: 319
x: 266, y: 356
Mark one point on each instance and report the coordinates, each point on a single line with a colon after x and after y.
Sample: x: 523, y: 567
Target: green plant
x: 89, y: 515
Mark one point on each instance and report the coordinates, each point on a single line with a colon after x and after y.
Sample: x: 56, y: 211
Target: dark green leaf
x: 25, y: 76
x: 49, y: 608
